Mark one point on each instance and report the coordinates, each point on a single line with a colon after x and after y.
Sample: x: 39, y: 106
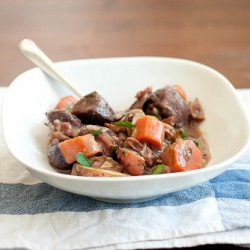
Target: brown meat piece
x: 164, y: 103
x: 64, y: 116
x: 93, y: 109
x: 63, y: 125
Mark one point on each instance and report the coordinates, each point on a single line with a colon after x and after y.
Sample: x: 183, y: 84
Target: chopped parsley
x: 83, y: 160
x: 158, y: 169
x: 68, y: 108
x: 96, y: 132
x: 183, y: 134
x: 125, y: 124
x: 196, y: 143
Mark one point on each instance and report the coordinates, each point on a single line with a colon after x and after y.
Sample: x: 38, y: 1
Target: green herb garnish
x: 196, y: 143
x: 96, y: 132
x: 68, y: 108
x: 183, y: 134
x: 125, y: 124
x: 83, y: 160
x: 158, y: 169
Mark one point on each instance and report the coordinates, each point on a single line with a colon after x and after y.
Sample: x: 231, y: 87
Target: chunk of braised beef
x: 169, y: 102
x: 63, y: 125
x: 93, y: 109
x: 64, y: 116
x: 165, y: 103
x: 55, y: 156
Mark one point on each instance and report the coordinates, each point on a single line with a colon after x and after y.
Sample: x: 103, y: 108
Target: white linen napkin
x: 34, y: 215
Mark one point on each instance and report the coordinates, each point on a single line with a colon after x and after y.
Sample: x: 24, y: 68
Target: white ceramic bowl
x: 33, y: 93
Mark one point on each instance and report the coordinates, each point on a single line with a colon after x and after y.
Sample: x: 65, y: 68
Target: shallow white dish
x: 33, y: 93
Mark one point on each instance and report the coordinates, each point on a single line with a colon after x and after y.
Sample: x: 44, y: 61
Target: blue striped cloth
x: 34, y: 215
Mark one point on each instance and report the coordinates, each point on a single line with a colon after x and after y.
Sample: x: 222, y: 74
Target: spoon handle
x: 31, y: 51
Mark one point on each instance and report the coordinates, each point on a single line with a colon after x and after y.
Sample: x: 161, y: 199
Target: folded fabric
x: 35, y: 215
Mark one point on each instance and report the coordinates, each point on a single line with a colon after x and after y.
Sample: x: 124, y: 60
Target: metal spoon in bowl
x: 31, y: 51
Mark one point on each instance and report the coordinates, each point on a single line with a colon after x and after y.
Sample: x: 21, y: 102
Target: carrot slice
x: 180, y: 90
x: 85, y: 144
x: 150, y: 130
x: 183, y: 155
x: 66, y: 102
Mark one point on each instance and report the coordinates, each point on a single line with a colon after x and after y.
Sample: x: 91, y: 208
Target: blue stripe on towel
x: 232, y: 184
x: 232, y: 191
x: 43, y: 198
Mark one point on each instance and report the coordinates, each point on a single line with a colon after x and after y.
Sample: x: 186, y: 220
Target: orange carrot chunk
x: 85, y: 144
x: 150, y: 130
x: 183, y: 155
x: 66, y: 102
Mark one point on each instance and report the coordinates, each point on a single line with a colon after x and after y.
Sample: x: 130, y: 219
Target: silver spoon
x: 30, y: 50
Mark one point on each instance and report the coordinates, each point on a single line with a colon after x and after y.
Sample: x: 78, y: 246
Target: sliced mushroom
x: 142, y: 149
x: 106, y: 138
x: 130, y: 115
x: 196, y: 110
x: 94, y: 172
x: 144, y: 93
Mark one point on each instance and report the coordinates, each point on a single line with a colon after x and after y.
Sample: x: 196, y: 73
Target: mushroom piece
x: 106, y: 138
x: 130, y: 115
x: 196, y: 110
x: 142, y: 149
x: 94, y: 172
